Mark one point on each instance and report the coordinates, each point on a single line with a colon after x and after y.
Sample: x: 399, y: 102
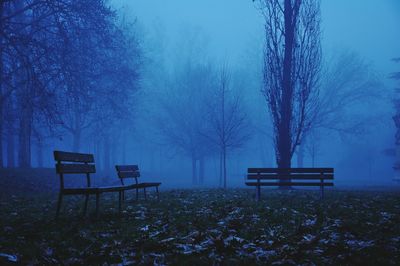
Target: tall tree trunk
x: 25, y: 130
x: 10, y: 147
x: 10, y: 139
x: 220, y: 168
x: 284, y: 137
x: 1, y: 86
x: 39, y: 150
x: 284, y: 142
x: 194, y: 171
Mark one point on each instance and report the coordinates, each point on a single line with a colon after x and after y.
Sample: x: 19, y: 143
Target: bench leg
x: 60, y: 196
x: 258, y: 193
x: 86, y: 204
x: 137, y: 194
x: 97, y: 203
x: 158, y: 195
x: 123, y: 195
x: 322, y: 193
x: 144, y: 191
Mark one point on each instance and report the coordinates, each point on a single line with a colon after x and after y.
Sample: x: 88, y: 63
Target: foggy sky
x: 370, y: 27
x: 233, y: 28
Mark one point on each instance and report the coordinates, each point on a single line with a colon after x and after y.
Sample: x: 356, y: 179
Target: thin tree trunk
x: 201, y: 170
x: 10, y: 147
x: 10, y: 138
x: 25, y: 129
x: 194, y: 171
x: 220, y: 169
x: 224, y: 165
x: 40, y: 153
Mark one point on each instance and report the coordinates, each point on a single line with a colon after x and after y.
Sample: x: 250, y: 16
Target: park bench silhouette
x: 132, y: 171
x: 68, y: 163
x: 289, y: 177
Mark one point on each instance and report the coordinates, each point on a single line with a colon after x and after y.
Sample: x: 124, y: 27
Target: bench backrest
x: 288, y: 174
x: 74, y: 163
x: 128, y: 171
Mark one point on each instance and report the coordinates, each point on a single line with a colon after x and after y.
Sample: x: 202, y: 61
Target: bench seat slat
x: 292, y: 176
x: 127, y: 168
x: 79, y: 191
x: 289, y: 170
x: 75, y: 168
x: 73, y: 157
x: 113, y: 188
x: 143, y: 185
x: 288, y: 184
x: 129, y: 174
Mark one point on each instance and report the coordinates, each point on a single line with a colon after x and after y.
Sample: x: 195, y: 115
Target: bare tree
x: 27, y: 63
x: 54, y: 57
x: 228, y: 123
x: 181, y: 119
x: 396, y: 102
x: 292, y: 60
x: 348, y: 85
x: 348, y: 82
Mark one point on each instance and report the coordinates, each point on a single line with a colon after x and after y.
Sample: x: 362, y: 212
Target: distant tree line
x: 202, y: 115
x: 200, y: 106
x: 67, y: 68
x: 396, y: 103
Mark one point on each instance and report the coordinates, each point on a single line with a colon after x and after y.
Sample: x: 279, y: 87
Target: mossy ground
x: 203, y: 227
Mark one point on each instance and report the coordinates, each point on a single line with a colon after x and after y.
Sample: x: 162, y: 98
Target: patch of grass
x: 205, y: 227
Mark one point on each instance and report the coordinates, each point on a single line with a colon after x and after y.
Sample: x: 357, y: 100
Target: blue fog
x: 175, y: 34
x: 233, y: 31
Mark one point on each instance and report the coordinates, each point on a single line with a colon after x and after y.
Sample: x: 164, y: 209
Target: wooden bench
x: 289, y: 177
x: 69, y: 163
x: 132, y: 171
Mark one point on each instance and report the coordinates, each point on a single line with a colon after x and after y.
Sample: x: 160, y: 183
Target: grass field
x: 203, y: 227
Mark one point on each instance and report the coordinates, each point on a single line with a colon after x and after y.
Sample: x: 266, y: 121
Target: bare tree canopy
x: 292, y: 63
x: 228, y: 125
x: 65, y: 66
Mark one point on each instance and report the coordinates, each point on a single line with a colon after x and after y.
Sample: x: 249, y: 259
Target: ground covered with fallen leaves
x: 203, y: 227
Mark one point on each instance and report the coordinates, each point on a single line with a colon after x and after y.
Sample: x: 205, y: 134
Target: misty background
x: 184, y: 47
